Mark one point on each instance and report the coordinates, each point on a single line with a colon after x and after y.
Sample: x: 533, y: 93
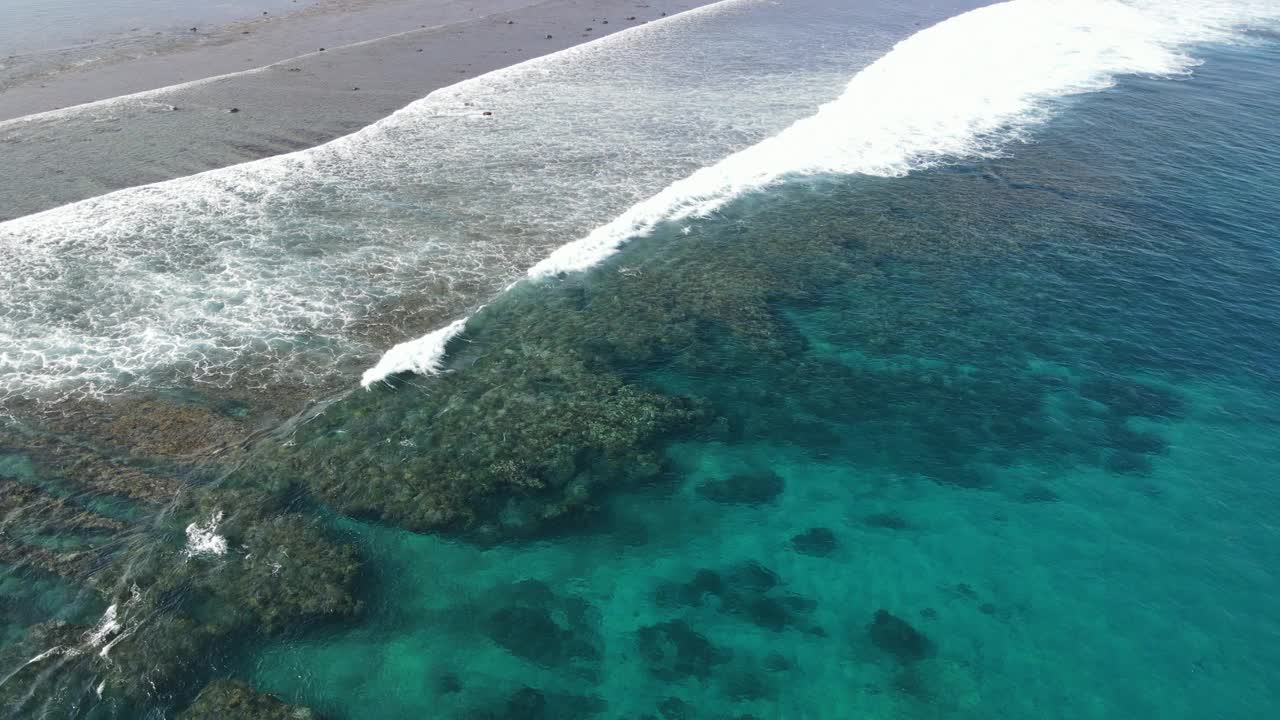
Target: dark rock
x: 746, y: 686
x: 929, y: 613
x: 225, y: 699
x: 987, y: 609
x: 529, y: 633
x: 897, y: 637
x: 234, y: 110
x: 487, y: 113
x: 752, y: 577
x: 548, y: 37
x: 818, y: 542
x: 674, y: 651
x: 707, y: 581
x: 743, y: 488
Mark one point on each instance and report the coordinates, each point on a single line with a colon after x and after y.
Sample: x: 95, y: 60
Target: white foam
x: 287, y: 266
x: 204, y: 540
x: 107, y: 627
x: 422, y: 356
x: 959, y: 89
x: 962, y: 88
x: 294, y: 267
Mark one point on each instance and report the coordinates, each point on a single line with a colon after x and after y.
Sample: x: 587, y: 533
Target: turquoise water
x: 1025, y: 406
x: 994, y: 438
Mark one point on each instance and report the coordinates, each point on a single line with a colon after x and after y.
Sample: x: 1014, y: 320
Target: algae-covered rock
x: 290, y: 572
x: 518, y: 439
x: 228, y: 699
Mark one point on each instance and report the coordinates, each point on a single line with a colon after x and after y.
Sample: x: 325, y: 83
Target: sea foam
x: 964, y: 88
x: 299, y: 267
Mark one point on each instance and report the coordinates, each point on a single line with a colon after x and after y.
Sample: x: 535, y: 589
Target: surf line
x: 964, y: 88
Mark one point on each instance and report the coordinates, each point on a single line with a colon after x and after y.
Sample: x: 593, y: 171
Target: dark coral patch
x: 223, y: 699
x: 531, y: 704
x: 546, y: 629
x: 1128, y: 463
x: 818, y: 542
x: 897, y: 637
x: 674, y: 651
x: 749, y: 591
x: 1132, y: 398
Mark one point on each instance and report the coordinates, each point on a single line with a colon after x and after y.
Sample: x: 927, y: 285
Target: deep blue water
x: 995, y: 439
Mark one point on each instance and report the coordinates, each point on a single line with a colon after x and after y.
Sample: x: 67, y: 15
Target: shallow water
x: 1032, y: 415
x: 995, y: 438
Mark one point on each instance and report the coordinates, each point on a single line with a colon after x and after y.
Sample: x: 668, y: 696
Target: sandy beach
x: 255, y: 89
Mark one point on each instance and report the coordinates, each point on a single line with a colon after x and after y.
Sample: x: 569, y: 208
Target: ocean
x: 773, y: 360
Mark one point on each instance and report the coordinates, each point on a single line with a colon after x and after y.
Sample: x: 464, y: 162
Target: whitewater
x: 303, y: 266
x: 964, y: 88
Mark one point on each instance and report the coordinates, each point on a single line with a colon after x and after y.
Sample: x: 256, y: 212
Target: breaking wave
x: 963, y: 88
x: 302, y: 268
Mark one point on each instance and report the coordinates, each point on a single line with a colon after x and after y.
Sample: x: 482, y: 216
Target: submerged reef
x: 749, y: 591
x: 529, y: 703
x: 524, y: 437
x: 673, y: 650
x: 550, y: 630
x: 225, y: 699
x: 172, y: 565
x: 206, y: 535
x: 898, y: 638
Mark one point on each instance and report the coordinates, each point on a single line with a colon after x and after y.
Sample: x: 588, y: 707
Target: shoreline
x: 61, y: 155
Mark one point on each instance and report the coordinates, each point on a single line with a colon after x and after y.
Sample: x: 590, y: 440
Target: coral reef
x: 529, y: 703
x: 818, y: 542
x: 673, y: 650
x: 225, y: 699
x: 546, y: 629
x: 749, y: 591
x: 898, y: 638
x: 521, y: 439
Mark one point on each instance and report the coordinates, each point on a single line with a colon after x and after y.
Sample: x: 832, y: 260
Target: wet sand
x: 241, y: 97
